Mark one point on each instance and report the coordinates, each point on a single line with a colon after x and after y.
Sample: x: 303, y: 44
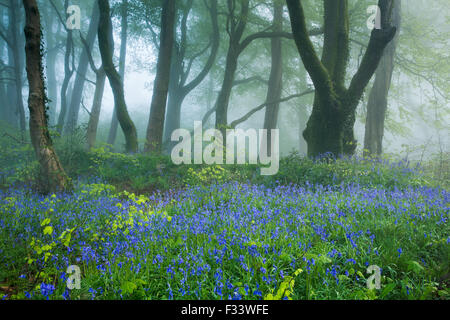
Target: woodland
x: 224, y: 150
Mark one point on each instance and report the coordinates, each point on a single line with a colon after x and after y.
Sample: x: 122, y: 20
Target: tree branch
x: 268, y: 35
x: 254, y: 78
x: 4, y: 37
x: 262, y: 106
x: 377, y: 43
x: 317, y: 71
x: 214, y: 49
x: 89, y: 54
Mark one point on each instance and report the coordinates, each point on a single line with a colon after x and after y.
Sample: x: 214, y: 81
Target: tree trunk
x: 68, y: 72
x: 223, y: 98
x: 11, y: 92
x: 106, y: 45
x: 173, y: 118
x: 234, y: 50
x: 123, y: 54
x: 330, y: 127
x: 178, y: 89
x: 276, y: 75
x: 18, y: 66
x: 161, y: 85
x: 96, y: 108
x: 378, y: 98
x: 53, y: 177
x: 80, y: 77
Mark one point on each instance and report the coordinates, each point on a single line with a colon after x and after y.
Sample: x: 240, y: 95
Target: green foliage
x: 144, y: 173
x: 367, y: 172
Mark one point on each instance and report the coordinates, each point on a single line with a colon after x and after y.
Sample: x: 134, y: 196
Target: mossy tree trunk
x: 330, y: 127
x: 106, y: 45
x: 53, y: 177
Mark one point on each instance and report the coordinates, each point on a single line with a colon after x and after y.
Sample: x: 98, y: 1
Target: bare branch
x: 262, y: 106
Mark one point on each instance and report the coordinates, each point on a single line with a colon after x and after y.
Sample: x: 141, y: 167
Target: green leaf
x: 415, y: 267
x: 324, y: 259
x: 45, y: 222
x: 387, y: 289
x: 128, y: 287
x: 48, y: 230
x: 343, y: 277
x: 66, y: 241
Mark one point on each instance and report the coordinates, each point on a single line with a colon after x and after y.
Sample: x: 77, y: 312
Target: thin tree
x: 69, y: 67
x: 94, y: 114
x: 81, y: 71
x: 378, y: 98
x: 276, y: 75
x: 52, y: 177
x: 15, y: 44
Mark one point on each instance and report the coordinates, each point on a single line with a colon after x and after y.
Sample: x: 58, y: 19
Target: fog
x: 418, y: 106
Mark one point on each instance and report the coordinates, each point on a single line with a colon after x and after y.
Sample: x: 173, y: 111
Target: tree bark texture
x: 53, y: 177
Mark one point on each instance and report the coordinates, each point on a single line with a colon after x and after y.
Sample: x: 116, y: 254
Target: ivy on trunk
x: 52, y: 177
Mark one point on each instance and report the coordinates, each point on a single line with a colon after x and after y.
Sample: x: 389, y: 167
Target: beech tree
x: 69, y: 68
x: 276, y: 75
x: 94, y: 115
x: 330, y: 126
x: 236, y: 26
x: 161, y: 86
x: 52, y: 175
x: 106, y: 45
x: 378, y: 98
x: 122, y: 60
x: 14, y: 41
x: 181, y: 67
x: 81, y: 71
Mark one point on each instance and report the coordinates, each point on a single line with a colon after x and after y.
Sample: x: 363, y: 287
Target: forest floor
x: 349, y: 229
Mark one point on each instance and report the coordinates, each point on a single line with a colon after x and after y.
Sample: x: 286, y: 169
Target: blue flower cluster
x: 230, y: 241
